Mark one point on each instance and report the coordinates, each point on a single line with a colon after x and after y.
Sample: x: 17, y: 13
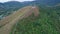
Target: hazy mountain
x: 7, y: 7
x: 16, y: 4
x: 48, y: 2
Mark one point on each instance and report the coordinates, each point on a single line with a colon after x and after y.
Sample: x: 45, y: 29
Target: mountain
x: 13, y: 4
x: 1, y: 6
x: 48, y: 2
x: 8, y: 7
x: 16, y: 4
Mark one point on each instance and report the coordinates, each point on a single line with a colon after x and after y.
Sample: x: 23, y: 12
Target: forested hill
x: 8, y: 7
x: 16, y: 4
x: 48, y: 2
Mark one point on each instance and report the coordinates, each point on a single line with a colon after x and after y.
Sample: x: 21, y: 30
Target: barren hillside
x: 8, y: 22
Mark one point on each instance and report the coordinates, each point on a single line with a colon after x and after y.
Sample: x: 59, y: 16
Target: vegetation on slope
x: 48, y: 22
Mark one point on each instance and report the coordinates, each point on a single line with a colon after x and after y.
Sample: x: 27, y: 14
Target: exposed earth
x: 8, y: 22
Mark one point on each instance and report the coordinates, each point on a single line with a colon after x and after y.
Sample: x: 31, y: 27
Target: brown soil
x: 12, y: 19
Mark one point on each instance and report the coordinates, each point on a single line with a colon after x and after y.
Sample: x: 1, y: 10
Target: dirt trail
x: 10, y: 20
x: 14, y: 15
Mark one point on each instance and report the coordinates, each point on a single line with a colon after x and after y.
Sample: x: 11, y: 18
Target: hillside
x: 7, y: 23
x: 30, y: 21
x: 48, y: 22
x: 48, y: 2
x: 8, y: 7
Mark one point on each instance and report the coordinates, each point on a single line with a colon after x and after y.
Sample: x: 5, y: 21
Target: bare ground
x: 9, y: 21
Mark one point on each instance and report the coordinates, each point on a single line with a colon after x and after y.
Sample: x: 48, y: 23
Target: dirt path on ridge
x: 9, y: 21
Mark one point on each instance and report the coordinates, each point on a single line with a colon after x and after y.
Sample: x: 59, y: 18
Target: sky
x: 15, y: 0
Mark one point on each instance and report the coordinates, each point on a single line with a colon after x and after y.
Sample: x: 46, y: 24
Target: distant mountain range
x: 16, y: 4
x: 8, y: 7
x: 48, y: 2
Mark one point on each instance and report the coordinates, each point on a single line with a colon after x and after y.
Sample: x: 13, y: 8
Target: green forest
x: 48, y: 22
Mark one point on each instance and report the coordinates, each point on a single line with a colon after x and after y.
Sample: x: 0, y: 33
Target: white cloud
x: 14, y: 0
x: 23, y: 0
x: 4, y: 0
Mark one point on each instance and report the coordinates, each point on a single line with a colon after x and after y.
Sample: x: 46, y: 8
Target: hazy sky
x: 15, y: 0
